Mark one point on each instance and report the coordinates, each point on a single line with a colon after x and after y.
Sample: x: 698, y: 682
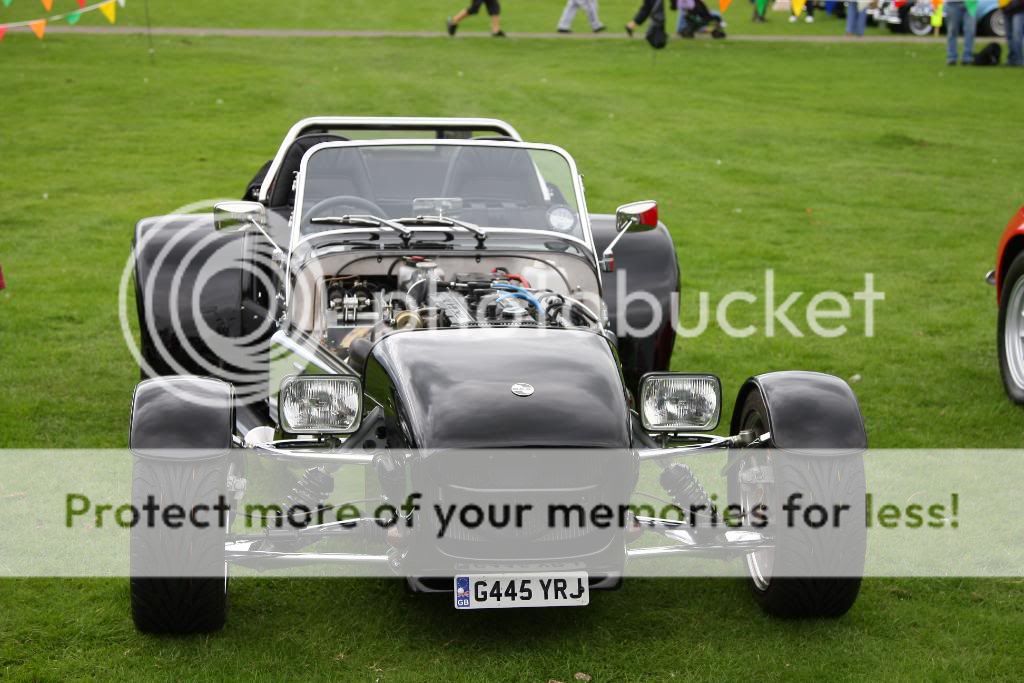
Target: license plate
x: 495, y: 591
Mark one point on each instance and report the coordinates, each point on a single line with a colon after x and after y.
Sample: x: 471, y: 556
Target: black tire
x: 993, y: 24
x: 193, y: 598
x: 1013, y: 279
x: 801, y: 549
x: 918, y: 25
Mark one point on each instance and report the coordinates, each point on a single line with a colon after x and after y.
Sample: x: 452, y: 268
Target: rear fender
x: 169, y: 252
x: 644, y: 262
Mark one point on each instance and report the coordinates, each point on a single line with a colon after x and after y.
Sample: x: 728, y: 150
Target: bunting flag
x: 972, y: 7
x: 723, y: 5
x: 798, y: 6
x: 38, y: 26
x: 761, y: 6
x: 109, y: 9
x: 1004, y: 3
x: 936, y: 4
x: 937, y: 16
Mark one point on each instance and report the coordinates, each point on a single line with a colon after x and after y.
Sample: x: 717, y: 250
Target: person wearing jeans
x: 856, y: 18
x: 569, y: 13
x: 957, y: 16
x: 1015, y: 34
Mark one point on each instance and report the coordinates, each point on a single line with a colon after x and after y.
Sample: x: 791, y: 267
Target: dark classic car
x: 429, y: 302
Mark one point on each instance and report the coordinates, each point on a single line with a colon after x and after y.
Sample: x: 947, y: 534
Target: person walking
x: 808, y: 10
x: 957, y: 17
x: 569, y: 13
x: 1014, y: 13
x: 493, y: 11
x: 760, y: 9
x: 649, y: 9
x: 856, y: 18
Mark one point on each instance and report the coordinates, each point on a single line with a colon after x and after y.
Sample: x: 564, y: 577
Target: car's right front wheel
x: 810, y: 570
x: 1010, y: 338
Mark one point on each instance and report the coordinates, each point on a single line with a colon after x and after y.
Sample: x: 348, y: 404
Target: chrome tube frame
x: 718, y: 543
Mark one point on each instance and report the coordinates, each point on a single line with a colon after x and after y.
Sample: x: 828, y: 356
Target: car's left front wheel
x: 1010, y: 337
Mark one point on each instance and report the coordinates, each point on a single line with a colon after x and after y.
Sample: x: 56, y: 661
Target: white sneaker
x: 809, y: 19
x: 792, y: 19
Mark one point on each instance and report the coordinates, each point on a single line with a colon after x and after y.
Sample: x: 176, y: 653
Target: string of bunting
x: 38, y: 26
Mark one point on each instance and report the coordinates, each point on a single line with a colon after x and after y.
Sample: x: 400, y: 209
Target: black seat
x: 283, y: 191
x: 493, y: 174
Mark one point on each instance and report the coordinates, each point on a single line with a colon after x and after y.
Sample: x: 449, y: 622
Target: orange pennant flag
x: 723, y: 5
x: 109, y: 10
x: 47, y: 5
x: 38, y: 27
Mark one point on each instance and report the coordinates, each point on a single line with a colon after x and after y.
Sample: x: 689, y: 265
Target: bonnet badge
x: 522, y: 389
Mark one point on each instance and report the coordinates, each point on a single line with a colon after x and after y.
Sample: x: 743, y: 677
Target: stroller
x: 694, y: 16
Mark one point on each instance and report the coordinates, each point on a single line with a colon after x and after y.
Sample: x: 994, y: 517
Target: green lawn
x: 821, y: 162
x: 518, y: 15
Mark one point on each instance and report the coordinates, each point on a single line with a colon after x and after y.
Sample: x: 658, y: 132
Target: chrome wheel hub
x: 1013, y: 334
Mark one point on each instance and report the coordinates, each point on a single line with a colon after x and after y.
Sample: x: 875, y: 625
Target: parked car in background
x: 1008, y: 278
x: 915, y: 16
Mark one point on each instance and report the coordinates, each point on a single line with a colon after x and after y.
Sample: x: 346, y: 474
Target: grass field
x: 823, y: 162
x: 518, y: 16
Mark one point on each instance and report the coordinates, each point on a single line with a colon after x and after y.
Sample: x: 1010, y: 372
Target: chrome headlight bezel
x: 694, y: 383
x: 353, y: 401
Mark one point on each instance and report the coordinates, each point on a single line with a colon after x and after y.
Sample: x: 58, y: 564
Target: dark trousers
x: 654, y: 9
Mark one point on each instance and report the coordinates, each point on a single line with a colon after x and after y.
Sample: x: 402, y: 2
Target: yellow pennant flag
x: 47, y: 5
x: 798, y: 6
x: 39, y: 28
x: 109, y: 10
x: 723, y: 5
x: 937, y: 16
x: 1004, y: 3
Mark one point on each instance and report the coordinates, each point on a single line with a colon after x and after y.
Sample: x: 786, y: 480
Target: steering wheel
x: 344, y: 200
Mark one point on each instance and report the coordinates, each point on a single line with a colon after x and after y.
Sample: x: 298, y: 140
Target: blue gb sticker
x: 461, y: 591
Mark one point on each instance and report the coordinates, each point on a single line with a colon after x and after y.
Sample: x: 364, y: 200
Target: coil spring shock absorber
x: 310, y: 492
x: 686, y: 492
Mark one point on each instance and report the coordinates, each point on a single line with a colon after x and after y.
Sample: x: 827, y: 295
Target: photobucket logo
x: 640, y: 313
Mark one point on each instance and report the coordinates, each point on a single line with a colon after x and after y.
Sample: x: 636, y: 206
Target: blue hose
x: 519, y: 293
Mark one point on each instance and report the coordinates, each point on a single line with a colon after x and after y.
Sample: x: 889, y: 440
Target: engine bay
x: 416, y: 292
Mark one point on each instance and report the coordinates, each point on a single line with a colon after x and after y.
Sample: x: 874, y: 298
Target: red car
x: 1008, y: 278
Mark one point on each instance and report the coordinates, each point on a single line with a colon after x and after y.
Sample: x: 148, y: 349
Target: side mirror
x: 236, y: 216
x: 637, y: 216
x: 633, y: 217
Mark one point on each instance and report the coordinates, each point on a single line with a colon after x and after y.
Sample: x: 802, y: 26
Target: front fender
x: 807, y: 411
x: 182, y: 417
x: 1010, y: 244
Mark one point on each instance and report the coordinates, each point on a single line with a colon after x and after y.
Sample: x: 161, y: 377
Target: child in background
x: 569, y: 13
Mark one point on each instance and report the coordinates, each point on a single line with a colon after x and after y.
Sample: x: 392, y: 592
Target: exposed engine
x: 416, y: 292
